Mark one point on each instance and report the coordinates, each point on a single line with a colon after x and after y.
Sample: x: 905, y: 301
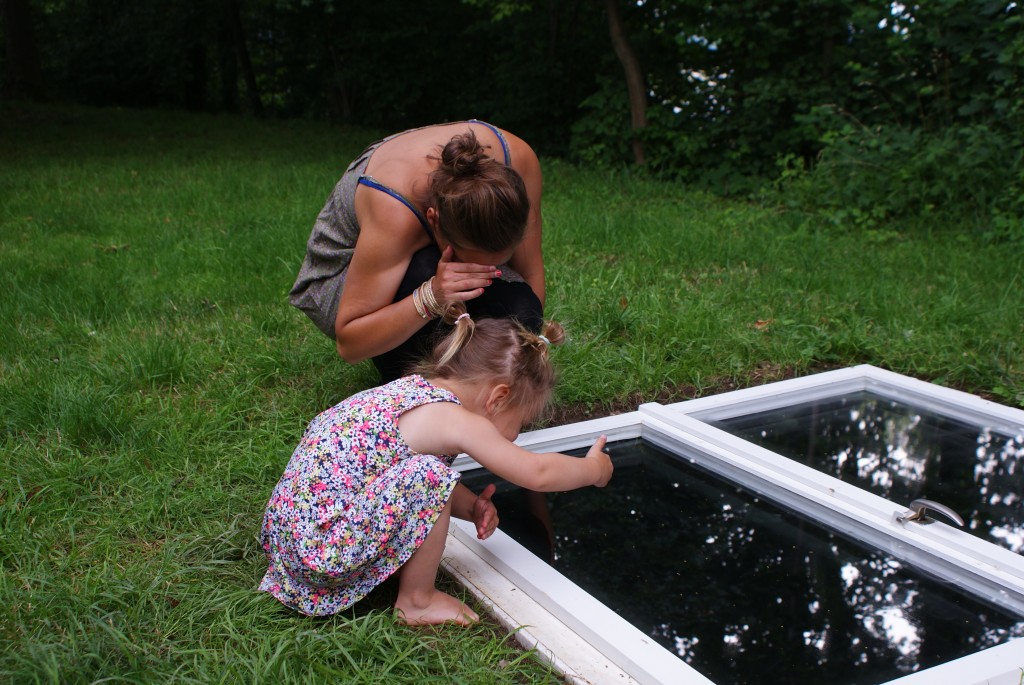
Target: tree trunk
x: 634, y: 78
x: 243, y: 58
x: 340, y: 93
x: 227, y: 58
x: 196, y: 77
x: 24, y: 77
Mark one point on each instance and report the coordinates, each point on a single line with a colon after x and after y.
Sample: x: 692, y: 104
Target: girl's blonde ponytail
x: 457, y: 316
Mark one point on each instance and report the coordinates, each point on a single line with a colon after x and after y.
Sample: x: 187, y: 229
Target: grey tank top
x: 321, y: 278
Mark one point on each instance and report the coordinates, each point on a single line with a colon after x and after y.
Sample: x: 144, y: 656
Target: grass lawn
x: 154, y: 380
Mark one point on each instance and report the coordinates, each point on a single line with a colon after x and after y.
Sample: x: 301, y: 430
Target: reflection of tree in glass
x: 892, y: 609
x: 997, y: 475
x: 739, y: 589
x: 903, y: 453
x: 885, y: 607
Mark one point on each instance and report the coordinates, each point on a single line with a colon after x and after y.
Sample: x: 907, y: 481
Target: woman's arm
x: 528, y: 258
x: 368, y: 322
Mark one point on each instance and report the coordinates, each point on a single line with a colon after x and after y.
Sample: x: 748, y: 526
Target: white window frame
x: 589, y: 643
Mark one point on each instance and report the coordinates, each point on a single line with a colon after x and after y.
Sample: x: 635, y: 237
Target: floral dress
x: 354, y: 502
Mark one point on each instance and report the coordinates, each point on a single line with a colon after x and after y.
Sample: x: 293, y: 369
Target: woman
x: 422, y: 220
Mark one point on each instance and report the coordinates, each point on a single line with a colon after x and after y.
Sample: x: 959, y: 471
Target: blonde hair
x: 499, y: 351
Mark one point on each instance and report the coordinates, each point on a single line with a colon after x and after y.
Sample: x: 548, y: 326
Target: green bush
x: 969, y: 175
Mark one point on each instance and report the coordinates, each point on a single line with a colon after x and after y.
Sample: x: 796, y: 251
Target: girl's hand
x: 485, y: 515
x: 460, y: 281
x: 602, y: 462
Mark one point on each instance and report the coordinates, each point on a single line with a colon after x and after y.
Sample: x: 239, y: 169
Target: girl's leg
x: 419, y: 602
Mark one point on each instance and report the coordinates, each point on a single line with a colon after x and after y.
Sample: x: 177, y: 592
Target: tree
x: 23, y: 77
x: 237, y: 55
x: 716, y: 92
x: 635, y: 82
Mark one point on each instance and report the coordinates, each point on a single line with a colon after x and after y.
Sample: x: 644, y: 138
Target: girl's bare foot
x: 438, y: 607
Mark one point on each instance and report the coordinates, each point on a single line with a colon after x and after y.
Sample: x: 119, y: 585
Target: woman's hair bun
x: 463, y: 154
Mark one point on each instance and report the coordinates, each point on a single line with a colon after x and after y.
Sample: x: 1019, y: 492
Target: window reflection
x: 901, y: 453
x: 739, y: 588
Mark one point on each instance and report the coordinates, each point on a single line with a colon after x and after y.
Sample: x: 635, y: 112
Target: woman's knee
x: 516, y: 300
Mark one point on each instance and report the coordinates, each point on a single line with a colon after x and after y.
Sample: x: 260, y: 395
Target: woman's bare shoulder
x: 384, y: 222
x: 414, y: 145
x: 524, y: 158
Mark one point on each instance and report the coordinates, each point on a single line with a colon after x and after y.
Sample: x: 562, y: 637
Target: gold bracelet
x: 428, y: 299
x: 419, y: 305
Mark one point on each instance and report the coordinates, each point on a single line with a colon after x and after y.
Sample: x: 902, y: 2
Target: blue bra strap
x: 377, y: 185
x: 504, y: 143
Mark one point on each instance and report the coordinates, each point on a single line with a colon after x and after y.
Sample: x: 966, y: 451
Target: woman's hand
x: 485, y: 515
x: 460, y: 281
x: 601, y: 461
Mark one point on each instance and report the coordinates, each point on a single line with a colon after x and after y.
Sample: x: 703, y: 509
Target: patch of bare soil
x: 766, y: 372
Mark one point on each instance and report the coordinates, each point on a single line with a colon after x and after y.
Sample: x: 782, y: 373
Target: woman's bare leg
x: 419, y: 602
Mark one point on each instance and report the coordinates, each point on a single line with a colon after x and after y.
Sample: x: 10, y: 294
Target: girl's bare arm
x: 447, y: 428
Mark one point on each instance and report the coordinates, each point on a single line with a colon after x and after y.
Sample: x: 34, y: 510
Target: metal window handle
x: 919, y: 507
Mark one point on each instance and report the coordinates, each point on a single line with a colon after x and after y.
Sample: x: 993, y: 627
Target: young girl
x: 370, y: 489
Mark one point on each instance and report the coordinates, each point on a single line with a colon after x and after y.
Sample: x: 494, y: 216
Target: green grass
x: 663, y: 288
x: 154, y: 380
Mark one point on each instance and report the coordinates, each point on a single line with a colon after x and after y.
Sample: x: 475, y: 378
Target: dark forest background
x: 862, y: 111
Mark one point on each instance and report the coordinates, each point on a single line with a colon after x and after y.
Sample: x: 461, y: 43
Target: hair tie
x: 460, y: 317
x: 544, y: 339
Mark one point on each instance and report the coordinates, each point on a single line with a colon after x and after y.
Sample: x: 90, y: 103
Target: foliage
x: 939, y: 64
x: 906, y: 109
x: 108, y: 51
x: 727, y: 89
x: 603, y: 133
x: 929, y: 96
x: 965, y: 175
x: 931, y: 127
x: 389, y: 65
x: 537, y: 64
